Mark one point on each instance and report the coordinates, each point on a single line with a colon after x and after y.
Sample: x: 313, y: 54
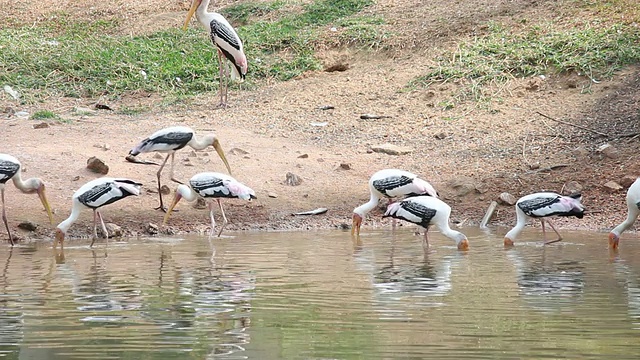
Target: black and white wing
x: 104, y: 191
x: 169, y: 139
x: 411, y: 211
x: 207, y: 185
x: 392, y: 186
x: 550, y: 204
x: 9, y: 166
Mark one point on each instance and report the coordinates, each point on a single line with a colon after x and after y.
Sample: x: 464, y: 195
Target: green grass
x: 45, y: 115
x: 595, y: 52
x: 80, y: 59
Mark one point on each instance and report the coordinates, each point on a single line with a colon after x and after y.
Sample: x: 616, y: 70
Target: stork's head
x: 463, y: 244
x: 355, y: 227
x: 59, y: 238
x: 613, y: 240
x: 36, y: 185
x: 194, y: 5
x: 181, y: 191
x: 508, y: 242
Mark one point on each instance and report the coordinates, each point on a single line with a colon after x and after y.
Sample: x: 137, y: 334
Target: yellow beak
x: 355, y: 227
x: 216, y: 145
x: 192, y: 10
x: 45, y: 203
x: 176, y: 198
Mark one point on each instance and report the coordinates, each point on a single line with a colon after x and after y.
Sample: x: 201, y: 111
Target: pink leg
x: 224, y: 218
x: 95, y: 227
x: 557, y: 233
x: 161, y: 207
x: 213, y: 221
x: 223, y: 90
x: 4, y: 218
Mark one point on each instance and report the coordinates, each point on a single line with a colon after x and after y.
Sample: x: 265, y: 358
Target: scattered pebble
x: 28, y: 226
x: 293, y: 179
x: 42, y: 125
x: 612, y: 186
x: 152, y: 229
x: 238, y: 151
x: 272, y: 195
x: 97, y: 166
x: 113, y: 230
x: 164, y: 190
x: 507, y: 199
x: 391, y: 149
x: 303, y: 156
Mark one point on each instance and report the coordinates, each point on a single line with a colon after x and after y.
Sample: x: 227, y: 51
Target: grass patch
x: 80, y: 59
x: 45, y: 115
x: 501, y: 55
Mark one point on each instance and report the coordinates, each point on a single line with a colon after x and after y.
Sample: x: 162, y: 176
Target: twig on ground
x: 488, y: 214
x: 574, y: 125
x: 549, y: 168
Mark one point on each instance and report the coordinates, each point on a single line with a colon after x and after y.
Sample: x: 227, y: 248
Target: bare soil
x: 282, y: 129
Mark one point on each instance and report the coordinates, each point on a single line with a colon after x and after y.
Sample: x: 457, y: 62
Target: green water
x: 319, y: 295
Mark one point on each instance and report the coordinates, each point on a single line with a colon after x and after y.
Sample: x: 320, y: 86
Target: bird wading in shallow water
x: 543, y: 205
x: 426, y: 211
x: 94, y: 195
x: 11, y: 169
x: 633, y: 205
x: 211, y: 185
x: 390, y: 183
x: 169, y: 140
x: 227, y: 42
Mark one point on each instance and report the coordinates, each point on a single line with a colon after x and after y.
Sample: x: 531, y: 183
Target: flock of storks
x: 417, y: 203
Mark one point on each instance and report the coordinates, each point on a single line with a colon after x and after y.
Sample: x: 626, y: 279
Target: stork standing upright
x: 390, y: 183
x: 633, y: 206
x: 543, y: 205
x: 426, y: 211
x: 11, y: 169
x: 227, y: 42
x: 211, y: 185
x: 94, y: 195
x: 171, y: 139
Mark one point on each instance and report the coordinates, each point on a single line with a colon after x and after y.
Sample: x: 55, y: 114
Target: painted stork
x: 227, y: 42
x: 390, y: 183
x: 211, y: 185
x: 543, y: 205
x: 11, y: 169
x: 426, y: 211
x: 94, y: 195
x: 633, y: 204
x: 171, y: 139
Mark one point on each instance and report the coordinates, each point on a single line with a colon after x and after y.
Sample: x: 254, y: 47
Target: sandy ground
x: 469, y: 153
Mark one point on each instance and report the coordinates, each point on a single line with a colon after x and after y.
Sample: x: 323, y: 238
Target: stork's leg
x: 223, y: 90
x: 425, y: 241
x: 213, y: 220
x: 224, y: 218
x: 544, y: 234
x: 173, y: 155
x: 95, y: 227
x: 557, y: 233
x: 104, y: 227
x: 4, y: 218
x: 161, y: 207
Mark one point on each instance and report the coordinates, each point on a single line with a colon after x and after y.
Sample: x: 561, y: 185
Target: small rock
x: 293, y: 179
x: 482, y: 188
x: 580, y: 152
x: 608, y: 151
x: 319, y: 124
x: 238, y: 151
x: 440, y: 136
x: 272, y: 195
x: 193, y: 153
x: 391, y: 149
x: 627, y: 180
x: 158, y: 156
x: 165, y: 190
x: 104, y: 147
x: 27, y: 225
x: 22, y: 114
x: 507, y: 199
x: 344, y: 166
x: 200, y: 203
x: 187, y: 162
x: 612, y: 186
x: 462, y: 185
x: 97, y: 166
x: 152, y: 229
x: 303, y: 156
x: 14, y: 94
x: 42, y: 125
x: 534, y: 166
x: 113, y: 230
x: 78, y: 110
x: 76, y: 178
x: 320, y: 160
x: 572, y: 187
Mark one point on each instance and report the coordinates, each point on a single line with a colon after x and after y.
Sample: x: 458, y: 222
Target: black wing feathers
x: 390, y: 183
x: 7, y: 170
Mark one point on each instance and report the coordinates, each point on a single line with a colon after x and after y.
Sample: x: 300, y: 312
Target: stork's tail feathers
x: 577, y: 196
x: 392, y: 209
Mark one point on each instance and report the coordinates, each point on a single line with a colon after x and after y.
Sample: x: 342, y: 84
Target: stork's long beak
x: 192, y: 10
x: 45, y: 203
x: 613, y: 241
x: 59, y: 238
x: 508, y: 242
x: 355, y: 227
x: 216, y: 145
x: 463, y: 245
x: 176, y: 198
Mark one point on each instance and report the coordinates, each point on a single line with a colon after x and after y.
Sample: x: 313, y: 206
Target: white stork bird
x: 426, y: 211
x: 171, y: 139
x: 633, y: 204
x: 543, y: 205
x: 11, y: 169
x: 94, y: 195
x: 211, y: 185
x: 226, y: 40
x: 390, y: 183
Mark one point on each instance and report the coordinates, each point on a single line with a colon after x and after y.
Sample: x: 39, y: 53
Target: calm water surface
x: 317, y: 295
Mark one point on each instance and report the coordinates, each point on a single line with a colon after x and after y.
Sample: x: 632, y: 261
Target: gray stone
x: 627, y: 180
x: 293, y: 179
x: 238, y: 151
x: 165, y: 190
x: 27, y: 225
x: 463, y: 185
x: 42, y: 125
x: 507, y: 199
x: 482, y: 188
x: 303, y: 156
x: 113, y: 230
x: 580, y: 152
x: 572, y: 187
x: 608, y: 151
x: 612, y: 186
x: 152, y: 229
x: 391, y: 149
x: 79, y: 110
x: 272, y: 195
x: 344, y: 166
x: 97, y: 166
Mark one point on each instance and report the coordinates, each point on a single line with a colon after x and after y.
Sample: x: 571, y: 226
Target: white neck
x: 75, y: 212
x: 631, y: 218
x: 521, y: 222
x: 450, y: 233
x: 203, y: 16
x: 24, y: 186
x: 363, y: 209
x: 201, y: 143
x: 187, y: 193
